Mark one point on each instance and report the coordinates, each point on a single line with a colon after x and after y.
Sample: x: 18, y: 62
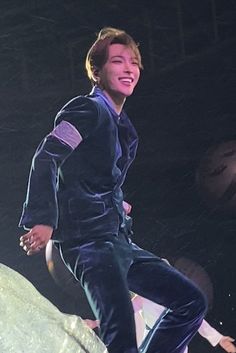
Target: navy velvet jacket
x: 77, y: 190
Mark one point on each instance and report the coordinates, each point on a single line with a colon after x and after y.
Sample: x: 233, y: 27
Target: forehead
x: 120, y: 50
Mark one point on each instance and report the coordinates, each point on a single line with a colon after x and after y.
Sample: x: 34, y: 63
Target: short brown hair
x: 98, y: 53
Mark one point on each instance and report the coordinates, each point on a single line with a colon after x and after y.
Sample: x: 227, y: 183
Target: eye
x: 117, y: 61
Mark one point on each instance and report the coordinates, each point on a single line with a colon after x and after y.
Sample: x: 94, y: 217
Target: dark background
x: 184, y: 105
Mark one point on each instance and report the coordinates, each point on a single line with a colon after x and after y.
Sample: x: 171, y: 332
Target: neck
x: 118, y: 102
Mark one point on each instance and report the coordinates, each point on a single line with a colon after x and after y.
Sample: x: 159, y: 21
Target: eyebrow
x: 121, y: 57
x: 117, y: 56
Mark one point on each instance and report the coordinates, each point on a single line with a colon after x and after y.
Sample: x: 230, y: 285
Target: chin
x: 128, y: 93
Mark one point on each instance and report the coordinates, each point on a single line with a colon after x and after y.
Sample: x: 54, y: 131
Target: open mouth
x: 127, y: 80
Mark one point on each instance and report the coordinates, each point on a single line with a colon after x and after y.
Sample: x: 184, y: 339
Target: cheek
x: 138, y: 75
x: 112, y: 81
x: 106, y: 78
x: 136, y: 80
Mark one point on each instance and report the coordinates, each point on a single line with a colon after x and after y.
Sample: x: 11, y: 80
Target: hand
x: 227, y: 345
x: 92, y: 323
x: 36, y: 239
x: 127, y: 207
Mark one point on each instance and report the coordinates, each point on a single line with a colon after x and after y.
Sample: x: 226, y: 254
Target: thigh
x: 153, y: 278
x: 101, y: 268
x: 98, y: 264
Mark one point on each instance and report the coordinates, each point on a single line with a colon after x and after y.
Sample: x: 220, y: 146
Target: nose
x: 128, y: 67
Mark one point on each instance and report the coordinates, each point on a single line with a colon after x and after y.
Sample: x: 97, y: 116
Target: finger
x: 127, y: 207
x: 32, y: 246
x: 25, y: 248
x: 21, y: 244
x: 34, y: 250
x: 28, y: 246
x: 24, y: 239
x: 26, y: 236
x: 27, y: 241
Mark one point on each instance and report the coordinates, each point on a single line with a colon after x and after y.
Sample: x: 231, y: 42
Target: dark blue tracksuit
x: 76, y: 189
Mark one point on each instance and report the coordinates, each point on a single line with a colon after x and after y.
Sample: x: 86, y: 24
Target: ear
x: 96, y: 74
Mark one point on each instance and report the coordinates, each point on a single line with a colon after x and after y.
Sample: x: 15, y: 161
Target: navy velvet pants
x: 111, y: 267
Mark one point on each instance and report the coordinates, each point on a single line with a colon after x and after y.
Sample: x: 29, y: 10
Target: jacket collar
x: 96, y: 91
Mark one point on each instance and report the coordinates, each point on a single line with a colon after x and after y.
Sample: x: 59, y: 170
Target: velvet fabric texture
x: 78, y: 191
x: 126, y: 267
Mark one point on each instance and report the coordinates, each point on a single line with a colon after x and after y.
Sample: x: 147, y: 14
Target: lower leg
x: 162, y: 284
x: 114, y: 311
x: 176, y: 328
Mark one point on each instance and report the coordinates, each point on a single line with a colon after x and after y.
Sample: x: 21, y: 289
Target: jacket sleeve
x: 82, y: 113
x: 40, y: 206
x: 73, y: 123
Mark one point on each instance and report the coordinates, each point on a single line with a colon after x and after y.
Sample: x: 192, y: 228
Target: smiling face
x: 119, y: 75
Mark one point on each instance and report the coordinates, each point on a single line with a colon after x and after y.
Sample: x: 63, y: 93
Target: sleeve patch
x: 67, y: 133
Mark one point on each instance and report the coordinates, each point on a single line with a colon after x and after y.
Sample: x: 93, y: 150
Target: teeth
x: 129, y: 80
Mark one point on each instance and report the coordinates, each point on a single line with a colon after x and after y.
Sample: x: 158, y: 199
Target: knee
x: 194, y: 306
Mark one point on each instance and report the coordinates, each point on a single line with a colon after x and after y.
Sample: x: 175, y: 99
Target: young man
x: 147, y: 313
x: 75, y: 197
